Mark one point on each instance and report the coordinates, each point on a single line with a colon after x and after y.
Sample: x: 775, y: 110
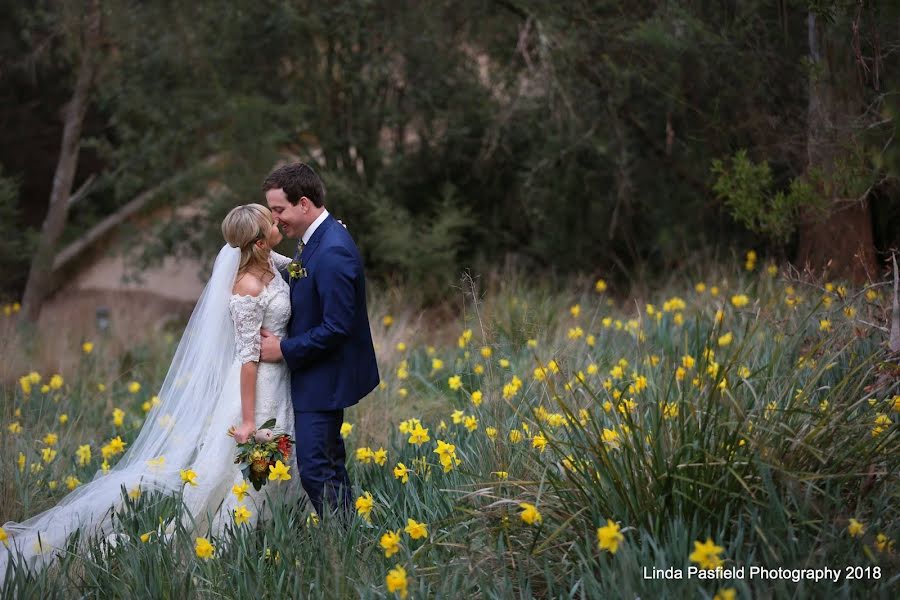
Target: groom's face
x: 292, y: 219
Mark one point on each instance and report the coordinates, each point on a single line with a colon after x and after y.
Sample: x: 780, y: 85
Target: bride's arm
x: 280, y: 260
x: 248, y: 316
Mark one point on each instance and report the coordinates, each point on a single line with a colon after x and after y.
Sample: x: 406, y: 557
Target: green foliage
x: 746, y: 189
x: 16, y: 240
x: 422, y: 249
x: 576, y: 136
x: 789, y: 430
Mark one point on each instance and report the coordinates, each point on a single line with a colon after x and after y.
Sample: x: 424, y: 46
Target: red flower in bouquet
x: 284, y: 446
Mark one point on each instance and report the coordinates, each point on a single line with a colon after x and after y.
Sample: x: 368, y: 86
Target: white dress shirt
x: 315, y: 225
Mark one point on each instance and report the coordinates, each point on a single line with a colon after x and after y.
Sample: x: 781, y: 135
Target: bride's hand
x: 243, y: 433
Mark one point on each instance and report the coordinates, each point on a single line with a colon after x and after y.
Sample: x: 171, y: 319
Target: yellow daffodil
x: 390, y: 543
x: 609, y: 537
x: 726, y: 594
x: 241, y: 515
x: 279, y: 472
x: 240, y: 490
x: 189, y: 477
x: 401, y: 473
x: 364, y: 506
x: 418, y: 435
x: 396, y: 582
x: 116, y: 445
x: 56, y: 382
x: 706, y: 554
x: 365, y: 455
x: 530, y: 513
x: 740, y: 300
x: 415, y: 529
x: 83, y: 454
x: 48, y: 454
x: 204, y: 549
x: 447, y: 454
x: 346, y: 429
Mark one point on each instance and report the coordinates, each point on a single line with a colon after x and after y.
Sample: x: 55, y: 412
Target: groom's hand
x: 270, y: 347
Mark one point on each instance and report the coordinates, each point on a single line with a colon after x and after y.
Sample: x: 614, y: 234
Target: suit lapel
x: 316, y: 239
x: 312, y: 245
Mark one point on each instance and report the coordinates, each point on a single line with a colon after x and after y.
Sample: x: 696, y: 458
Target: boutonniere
x: 296, y: 270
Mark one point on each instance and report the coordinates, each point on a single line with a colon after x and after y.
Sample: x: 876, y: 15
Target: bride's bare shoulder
x: 249, y: 285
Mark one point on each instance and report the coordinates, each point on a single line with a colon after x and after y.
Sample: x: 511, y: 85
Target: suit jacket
x: 329, y: 346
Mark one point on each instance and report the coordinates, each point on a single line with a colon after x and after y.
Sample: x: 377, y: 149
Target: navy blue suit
x: 330, y: 354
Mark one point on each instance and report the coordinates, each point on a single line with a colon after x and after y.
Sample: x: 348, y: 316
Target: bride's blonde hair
x: 242, y: 228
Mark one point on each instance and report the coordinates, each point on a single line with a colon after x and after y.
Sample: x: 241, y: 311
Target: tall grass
x: 779, y: 432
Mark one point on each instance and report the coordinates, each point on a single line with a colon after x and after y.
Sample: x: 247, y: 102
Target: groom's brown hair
x: 297, y: 180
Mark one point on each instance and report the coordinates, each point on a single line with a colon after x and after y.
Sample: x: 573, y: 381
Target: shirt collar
x: 315, y: 225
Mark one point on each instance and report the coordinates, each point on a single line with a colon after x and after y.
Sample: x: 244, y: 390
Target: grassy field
x: 575, y: 438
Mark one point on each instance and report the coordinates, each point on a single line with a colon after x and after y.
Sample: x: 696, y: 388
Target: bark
x: 70, y: 254
x: 842, y: 239
x: 40, y: 276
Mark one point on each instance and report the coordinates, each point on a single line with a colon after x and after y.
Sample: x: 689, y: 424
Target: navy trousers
x: 321, y: 457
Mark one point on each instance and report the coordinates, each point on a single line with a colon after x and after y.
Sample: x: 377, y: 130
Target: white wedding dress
x: 200, y: 400
x: 216, y: 471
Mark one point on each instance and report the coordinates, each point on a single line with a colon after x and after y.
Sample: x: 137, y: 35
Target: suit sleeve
x: 335, y: 280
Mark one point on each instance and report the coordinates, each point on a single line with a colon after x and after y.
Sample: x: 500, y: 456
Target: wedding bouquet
x: 262, y: 450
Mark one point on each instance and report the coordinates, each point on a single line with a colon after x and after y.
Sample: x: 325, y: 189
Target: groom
x: 329, y: 345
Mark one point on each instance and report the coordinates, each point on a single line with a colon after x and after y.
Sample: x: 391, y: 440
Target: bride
x: 215, y: 382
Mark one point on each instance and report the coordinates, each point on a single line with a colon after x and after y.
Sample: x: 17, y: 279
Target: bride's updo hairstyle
x: 242, y: 228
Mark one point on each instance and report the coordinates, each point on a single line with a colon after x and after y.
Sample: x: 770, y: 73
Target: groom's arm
x: 335, y: 279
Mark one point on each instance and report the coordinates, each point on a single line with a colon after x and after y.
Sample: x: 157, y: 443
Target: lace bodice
x: 271, y: 310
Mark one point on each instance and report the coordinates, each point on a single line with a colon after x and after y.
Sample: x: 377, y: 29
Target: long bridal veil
x: 171, y: 438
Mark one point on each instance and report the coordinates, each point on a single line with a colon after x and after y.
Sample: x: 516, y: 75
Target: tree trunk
x: 40, y: 275
x: 841, y: 240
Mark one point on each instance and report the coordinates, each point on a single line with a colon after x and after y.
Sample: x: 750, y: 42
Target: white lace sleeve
x: 247, y: 313
x: 281, y: 261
